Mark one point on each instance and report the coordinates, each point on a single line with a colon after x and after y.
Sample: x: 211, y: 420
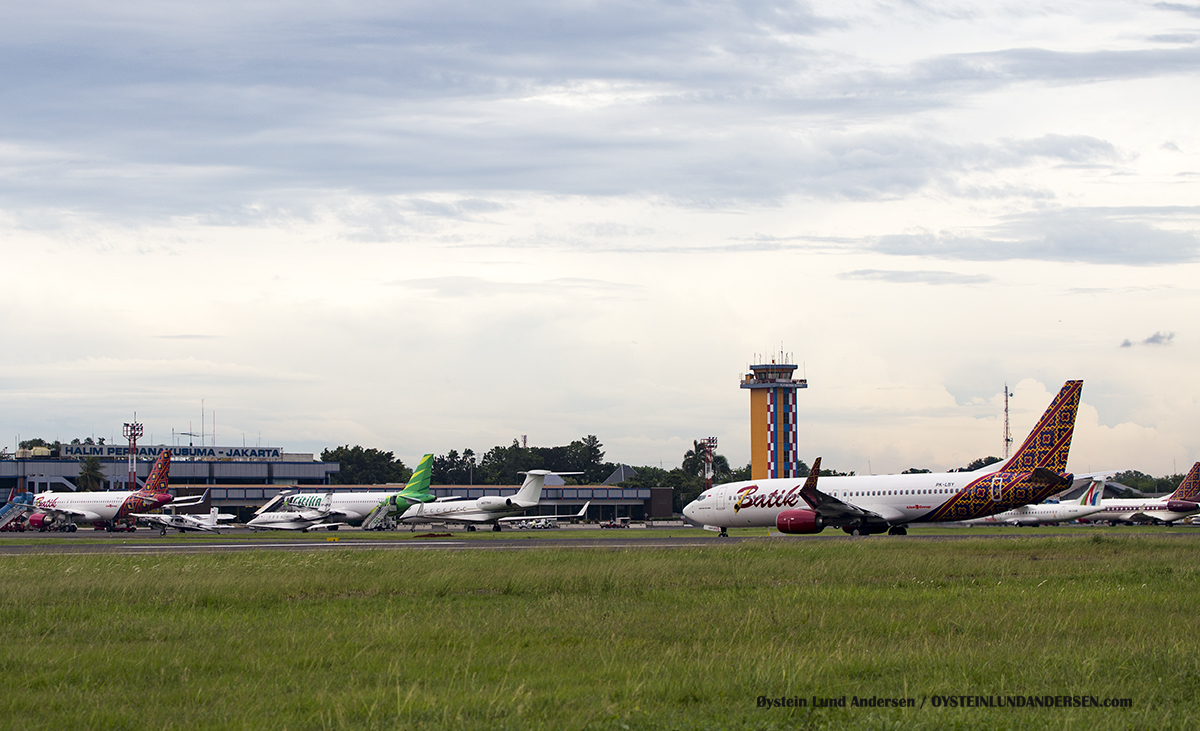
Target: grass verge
x: 561, y: 638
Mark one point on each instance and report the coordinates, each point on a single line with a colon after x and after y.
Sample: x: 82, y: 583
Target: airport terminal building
x: 244, y: 478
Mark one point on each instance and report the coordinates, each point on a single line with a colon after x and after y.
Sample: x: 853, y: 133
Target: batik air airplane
x: 1183, y: 502
x: 313, y: 511
x: 865, y: 504
x: 63, y: 511
x: 1027, y: 515
x: 493, y: 509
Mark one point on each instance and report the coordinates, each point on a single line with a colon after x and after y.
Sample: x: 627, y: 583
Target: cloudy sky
x: 425, y: 226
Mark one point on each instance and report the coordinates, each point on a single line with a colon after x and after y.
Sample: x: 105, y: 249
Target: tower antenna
x: 1008, y: 440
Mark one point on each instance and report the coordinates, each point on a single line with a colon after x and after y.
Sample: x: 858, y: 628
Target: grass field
x: 563, y: 638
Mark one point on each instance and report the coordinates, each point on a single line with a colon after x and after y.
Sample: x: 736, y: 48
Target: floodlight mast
x: 132, y: 431
x: 709, y: 446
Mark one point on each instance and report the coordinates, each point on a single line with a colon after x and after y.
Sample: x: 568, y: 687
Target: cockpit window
x: 702, y: 496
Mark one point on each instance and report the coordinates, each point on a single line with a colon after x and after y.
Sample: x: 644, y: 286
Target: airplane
x: 1028, y: 515
x: 493, y: 509
x: 63, y: 511
x: 866, y: 504
x: 183, y: 522
x: 331, y: 510
x: 1183, y: 502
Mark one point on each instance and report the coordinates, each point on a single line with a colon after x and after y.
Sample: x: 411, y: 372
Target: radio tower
x: 1007, y: 432
x: 132, y: 431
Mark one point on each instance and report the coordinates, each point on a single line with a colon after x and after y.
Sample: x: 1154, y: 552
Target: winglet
x: 809, y: 492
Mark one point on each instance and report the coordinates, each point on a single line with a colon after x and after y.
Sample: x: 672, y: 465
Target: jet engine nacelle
x: 40, y: 521
x: 1181, y: 506
x: 799, y: 521
x: 493, y: 503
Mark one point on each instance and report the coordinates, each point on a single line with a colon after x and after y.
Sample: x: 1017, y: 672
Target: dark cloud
x: 1158, y: 338
x: 1081, y: 235
x: 915, y: 277
x: 235, y: 112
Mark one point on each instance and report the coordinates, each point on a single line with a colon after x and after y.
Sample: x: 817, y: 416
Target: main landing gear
x: 897, y: 530
x: 723, y: 534
x: 470, y: 528
x: 495, y: 527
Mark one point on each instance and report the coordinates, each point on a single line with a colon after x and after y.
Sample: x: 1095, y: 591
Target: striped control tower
x: 773, y: 419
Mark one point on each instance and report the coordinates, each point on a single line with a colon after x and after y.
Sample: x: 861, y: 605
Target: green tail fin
x: 417, y: 489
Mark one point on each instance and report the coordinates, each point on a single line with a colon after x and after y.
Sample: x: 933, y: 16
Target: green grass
x: 562, y: 638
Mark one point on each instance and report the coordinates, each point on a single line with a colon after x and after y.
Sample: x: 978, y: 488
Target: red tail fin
x: 1050, y: 441
x: 157, y: 480
x: 1189, y: 489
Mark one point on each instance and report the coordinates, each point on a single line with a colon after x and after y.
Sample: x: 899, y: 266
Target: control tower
x: 773, y: 444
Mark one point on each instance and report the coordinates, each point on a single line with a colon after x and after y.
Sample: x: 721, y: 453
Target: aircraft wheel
x: 495, y: 527
x: 132, y: 528
x: 73, y: 528
x: 334, y: 527
x: 163, y: 531
x: 723, y: 534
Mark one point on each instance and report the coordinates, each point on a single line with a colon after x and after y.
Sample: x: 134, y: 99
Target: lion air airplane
x: 1183, y: 502
x: 865, y: 504
x: 494, y: 509
x: 63, y: 511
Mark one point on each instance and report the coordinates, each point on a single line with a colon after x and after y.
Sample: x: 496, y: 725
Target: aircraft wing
x: 832, y: 510
x: 581, y: 514
x: 315, y: 526
x: 66, y: 513
x: 184, y: 502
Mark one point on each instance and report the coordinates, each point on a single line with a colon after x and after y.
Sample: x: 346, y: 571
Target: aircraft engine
x: 41, y: 521
x: 1181, y: 506
x: 799, y: 521
x: 493, y: 503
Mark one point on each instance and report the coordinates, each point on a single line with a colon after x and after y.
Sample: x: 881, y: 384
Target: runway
x: 89, y: 543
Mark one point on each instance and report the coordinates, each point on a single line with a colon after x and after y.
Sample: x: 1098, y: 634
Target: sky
x: 425, y: 226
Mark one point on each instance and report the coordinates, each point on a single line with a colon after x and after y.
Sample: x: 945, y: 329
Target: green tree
x: 978, y: 464
x: 366, y: 466
x: 454, y: 469
x: 91, y: 474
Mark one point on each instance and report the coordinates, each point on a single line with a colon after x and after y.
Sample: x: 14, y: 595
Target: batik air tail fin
x: 159, y: 477
x: 1049, y: 443
x: 1189, y: 489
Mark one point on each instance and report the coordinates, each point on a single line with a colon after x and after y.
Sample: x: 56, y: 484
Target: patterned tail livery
x: 1050, y: 441
x: 158, y: 479
x: 1189, y: 489
x: 1034, y: 473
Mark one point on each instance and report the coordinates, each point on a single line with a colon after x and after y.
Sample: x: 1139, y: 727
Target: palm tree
x: 91, y: 474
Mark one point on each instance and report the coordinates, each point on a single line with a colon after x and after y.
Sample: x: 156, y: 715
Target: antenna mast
x: 1008, y: 440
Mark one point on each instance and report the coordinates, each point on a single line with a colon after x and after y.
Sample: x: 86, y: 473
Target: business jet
x: 183, y: 522
x: 1178, y: 505
x: 331, y: 510
x: 490, y: 509
x: 866, y: 504
x: 1028, y: 515
x: 63, y: 511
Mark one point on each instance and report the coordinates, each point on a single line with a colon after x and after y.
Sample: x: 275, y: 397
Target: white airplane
x: 493, y: 509
x: 183, y: 522
x: 1178, y: 505
x: 865, y: 504
x: 331, y: 510
x: 63, y: 511
x: 1028, y: 515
